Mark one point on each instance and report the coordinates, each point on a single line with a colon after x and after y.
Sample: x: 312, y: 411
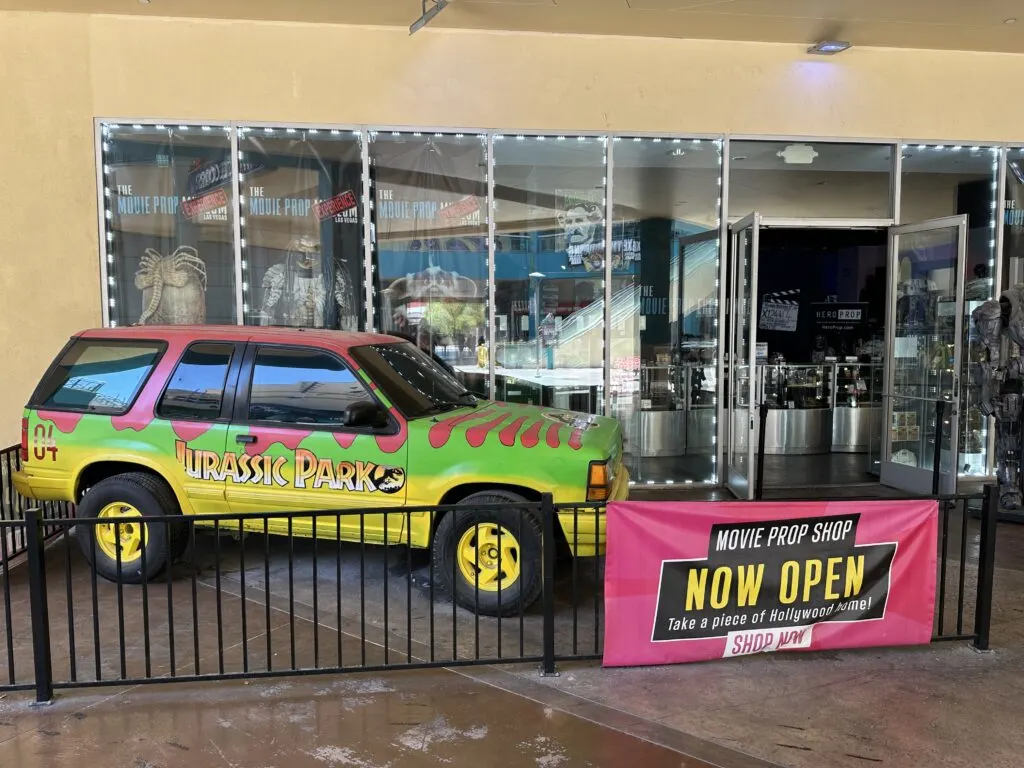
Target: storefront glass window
x: 301, y: 228
x: 665, y: 300
x: 797, y: 179
x: 169, y: 240
x: 549, y: 208
x: 429, y: 220
x: 945, y: 180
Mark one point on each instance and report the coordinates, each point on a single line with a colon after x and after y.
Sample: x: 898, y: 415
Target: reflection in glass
x: 302, y: 386
x: 664, y: 331
x: 196, y: 387
x: 1013, y: 219
x: 923, y: 342
x: 740, y: 379
x: 169, y: 235
x: 810, y: 179
x: 943, y: 181
x: 302, y: 236
x: 549, y: 209
x: 430, y: 271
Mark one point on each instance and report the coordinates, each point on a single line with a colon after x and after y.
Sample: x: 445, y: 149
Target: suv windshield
x: 412, y: 380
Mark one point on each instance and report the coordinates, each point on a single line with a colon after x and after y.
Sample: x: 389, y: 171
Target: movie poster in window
x: 431, y: 230
x: 302, y: 234
x: 168, y: 239
x: 581, y: 219
x: 1013, y: 216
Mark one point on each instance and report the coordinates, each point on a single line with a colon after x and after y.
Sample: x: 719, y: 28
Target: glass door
x: 924, y: 346
x: 742, y: 358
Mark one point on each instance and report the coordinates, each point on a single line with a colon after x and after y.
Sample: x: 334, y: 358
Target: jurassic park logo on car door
x: 311, y: 471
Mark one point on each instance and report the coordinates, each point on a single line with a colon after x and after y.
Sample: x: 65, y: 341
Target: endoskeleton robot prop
x: 1002, y: 382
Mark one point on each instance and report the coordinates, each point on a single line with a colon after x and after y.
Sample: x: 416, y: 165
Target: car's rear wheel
x: 115, y: 546
x: 489, y: 559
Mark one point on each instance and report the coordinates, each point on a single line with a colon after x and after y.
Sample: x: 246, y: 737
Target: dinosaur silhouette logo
x: 389, y: 479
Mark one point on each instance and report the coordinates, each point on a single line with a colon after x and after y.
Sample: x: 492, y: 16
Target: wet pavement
x: 940, y: 705
x: 432, y: 717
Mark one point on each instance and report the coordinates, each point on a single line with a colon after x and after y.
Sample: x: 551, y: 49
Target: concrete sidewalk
x: 423, y: 718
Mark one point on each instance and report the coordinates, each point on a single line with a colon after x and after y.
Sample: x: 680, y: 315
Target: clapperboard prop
x: 779, y: 311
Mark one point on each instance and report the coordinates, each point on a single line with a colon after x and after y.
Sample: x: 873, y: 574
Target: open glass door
x: 923, y: 360
x: 742, y: 358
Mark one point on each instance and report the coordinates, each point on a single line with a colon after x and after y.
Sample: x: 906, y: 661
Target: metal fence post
x: 548, y: 545
x: 38, y: 606
x: 986, y: 567
x: 763, y: 423
x: 940, y: 428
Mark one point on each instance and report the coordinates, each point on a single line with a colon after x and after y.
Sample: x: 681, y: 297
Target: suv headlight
x: 600, y: 477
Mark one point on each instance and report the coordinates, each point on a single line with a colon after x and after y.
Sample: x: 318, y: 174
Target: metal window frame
x: 722, y: 424
x: 609, y: 222
x: 492, y: 310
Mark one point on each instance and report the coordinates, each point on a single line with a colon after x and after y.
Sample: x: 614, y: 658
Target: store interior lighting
x: 829, y: 47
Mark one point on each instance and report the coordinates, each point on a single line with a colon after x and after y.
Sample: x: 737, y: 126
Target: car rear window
x: 98, y: 376
x: 196, y: 388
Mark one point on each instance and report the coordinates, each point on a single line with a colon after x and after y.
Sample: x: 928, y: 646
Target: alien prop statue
x: 1001, y: 382
x: 294, y: 290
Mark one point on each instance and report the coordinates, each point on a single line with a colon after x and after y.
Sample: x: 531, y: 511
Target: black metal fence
x: 249, y: 600
x: 245, y: 603
x: 13, y: 506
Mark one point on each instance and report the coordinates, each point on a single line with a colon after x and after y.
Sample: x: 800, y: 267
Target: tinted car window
x: 97, y: 376
x: 301, y: 386
x: 411, y: 379
x: 196, y: 388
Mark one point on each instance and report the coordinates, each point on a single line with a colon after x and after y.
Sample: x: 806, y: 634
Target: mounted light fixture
x: 829, y: 47
x: 798, y: 154
x: 435, y: 7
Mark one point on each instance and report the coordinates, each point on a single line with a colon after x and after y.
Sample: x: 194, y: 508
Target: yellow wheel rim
x: 129, y: 535
x: 488, y: 555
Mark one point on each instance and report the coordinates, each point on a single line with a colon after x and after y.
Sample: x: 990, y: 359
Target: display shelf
x: 798, y: 387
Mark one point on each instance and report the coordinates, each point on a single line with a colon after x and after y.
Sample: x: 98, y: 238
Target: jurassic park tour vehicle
x: 130, y: 423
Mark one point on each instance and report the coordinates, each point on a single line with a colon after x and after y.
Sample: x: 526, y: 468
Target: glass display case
x: 702, y: 407
x: 858, y: 406
x: 975, y: 427
x: 799, y: 400
x: 923, y: 374
x: 660, y: 422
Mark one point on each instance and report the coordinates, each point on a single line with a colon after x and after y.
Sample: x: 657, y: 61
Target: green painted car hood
x: 495, y: 427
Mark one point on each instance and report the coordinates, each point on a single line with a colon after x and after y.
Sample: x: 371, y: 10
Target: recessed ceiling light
x: 829, y: 47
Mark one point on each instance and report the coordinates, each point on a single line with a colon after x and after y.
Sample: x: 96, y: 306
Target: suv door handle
x: 245, y: 439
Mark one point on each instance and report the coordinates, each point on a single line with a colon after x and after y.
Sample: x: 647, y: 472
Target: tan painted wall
x: 58, y: 71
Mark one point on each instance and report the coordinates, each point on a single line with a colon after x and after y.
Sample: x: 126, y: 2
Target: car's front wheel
x: 489, y: 557
x: 115, y: 545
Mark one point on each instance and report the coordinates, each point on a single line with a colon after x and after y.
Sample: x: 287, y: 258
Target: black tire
x: 180, y: 539
x: 521, y: 524
x: 152, y: 498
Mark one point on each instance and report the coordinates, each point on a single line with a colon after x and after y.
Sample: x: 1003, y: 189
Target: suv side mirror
x: 365, y: 413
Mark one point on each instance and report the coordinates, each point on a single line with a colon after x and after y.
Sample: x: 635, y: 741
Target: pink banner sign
x: 692, y: 581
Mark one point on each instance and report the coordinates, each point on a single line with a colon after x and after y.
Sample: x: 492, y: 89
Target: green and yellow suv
x: 134, y: 422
